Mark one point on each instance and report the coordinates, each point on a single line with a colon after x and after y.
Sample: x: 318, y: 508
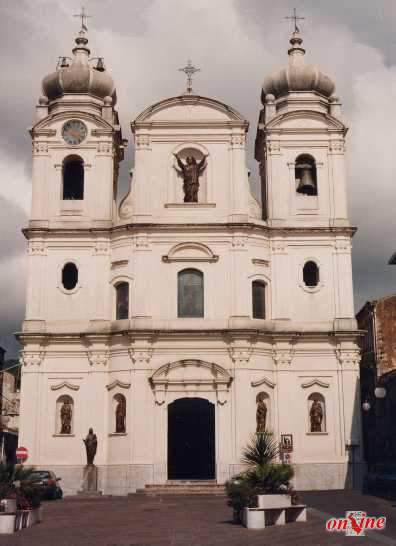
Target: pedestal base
x: 90, y: 482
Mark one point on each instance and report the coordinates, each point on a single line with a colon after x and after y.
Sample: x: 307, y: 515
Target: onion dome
x: 298, y: 76
x: 79, y: 76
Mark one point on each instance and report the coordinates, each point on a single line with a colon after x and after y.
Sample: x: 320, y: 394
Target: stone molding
x: 263, y: 381
x: 65, y: 384
x: 119, y: 384
x: 348, y: 358
x: 202, y: 253
x: 317, y: 382
x: 240, y: 355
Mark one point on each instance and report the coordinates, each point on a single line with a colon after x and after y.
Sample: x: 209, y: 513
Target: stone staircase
x: 183, y: 487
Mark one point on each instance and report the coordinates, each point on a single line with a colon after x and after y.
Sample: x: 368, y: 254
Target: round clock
x: 74, y: 132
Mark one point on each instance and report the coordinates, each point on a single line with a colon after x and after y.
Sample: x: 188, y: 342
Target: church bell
x: 306, y: 184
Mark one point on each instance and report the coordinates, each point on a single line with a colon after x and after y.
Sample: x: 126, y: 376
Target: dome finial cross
x: 83, y: 16
x: 295, y: 18
x: 189, y: 71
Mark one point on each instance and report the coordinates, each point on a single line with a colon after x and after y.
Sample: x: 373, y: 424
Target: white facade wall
x: 72, y: 344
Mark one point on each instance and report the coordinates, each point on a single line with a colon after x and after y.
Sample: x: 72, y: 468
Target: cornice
x: 248, y: 226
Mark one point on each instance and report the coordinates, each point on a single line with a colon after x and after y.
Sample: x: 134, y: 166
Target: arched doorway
x: 191, y: 439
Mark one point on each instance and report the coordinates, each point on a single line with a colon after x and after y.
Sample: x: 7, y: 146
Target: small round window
x: 311, y: 274
x: 69, y: 276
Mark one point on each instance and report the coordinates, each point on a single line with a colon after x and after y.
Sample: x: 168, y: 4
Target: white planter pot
x: 7, y: 523
x: 253, y: 518
x: 10, y: 506
x: 273, y: 501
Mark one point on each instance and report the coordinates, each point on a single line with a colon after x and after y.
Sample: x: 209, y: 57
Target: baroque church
x: 181, y: 320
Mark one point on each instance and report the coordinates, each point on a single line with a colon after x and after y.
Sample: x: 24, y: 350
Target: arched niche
x: 263, y: 412
x: 176, y: 192
x: 316, y: 413
x: 118, y: 418
x: 64, y: 417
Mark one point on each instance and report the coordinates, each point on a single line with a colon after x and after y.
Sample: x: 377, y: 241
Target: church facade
x: 183, y: 319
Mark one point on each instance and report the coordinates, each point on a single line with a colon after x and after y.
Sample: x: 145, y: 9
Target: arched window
x: 190, y: 293
x: 69, y: 276
x: 64, y: 415
x: 122, y: 300
x: 73, y: 178
x: 119, y: 405
x: 311, y: 274
x: 305, y: 174
x: 258, y: 299
x: 316, y: 412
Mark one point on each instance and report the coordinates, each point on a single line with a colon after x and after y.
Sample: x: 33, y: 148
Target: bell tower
x: 300, y: 146
x: 77, y: 144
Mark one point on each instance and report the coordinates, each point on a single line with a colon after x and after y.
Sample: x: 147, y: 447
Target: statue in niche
x: 66, y: 414
x: 316, y: 416
x: 191, y: 171
x: 120, y: 415
x: 91, y: 445
x: 261, y: 413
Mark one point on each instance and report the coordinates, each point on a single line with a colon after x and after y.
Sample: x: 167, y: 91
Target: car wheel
x: 60, y: 493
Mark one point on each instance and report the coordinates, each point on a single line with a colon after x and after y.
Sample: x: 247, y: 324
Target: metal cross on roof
x: 189, y: 71
x: 295, y: 18
x: 83, y: 16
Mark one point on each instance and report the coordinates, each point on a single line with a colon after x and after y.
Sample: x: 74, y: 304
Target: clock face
x: 74, y: 132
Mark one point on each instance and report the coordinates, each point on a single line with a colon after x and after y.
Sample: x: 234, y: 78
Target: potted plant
x: 265, y: 483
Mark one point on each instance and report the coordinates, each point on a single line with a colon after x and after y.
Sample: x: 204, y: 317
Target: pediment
x: 189, y: 108
x: 316, y: 382
x: 190, y: 252
x: 192, y: 372
x: 65, y: 384
x: 119, y: 384
x: 263, y: 381
x: 306, y: 120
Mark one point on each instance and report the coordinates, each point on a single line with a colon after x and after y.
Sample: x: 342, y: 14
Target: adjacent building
x: 181, y: 321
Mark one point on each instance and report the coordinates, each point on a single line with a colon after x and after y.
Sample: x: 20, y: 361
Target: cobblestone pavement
x: 191, y: 521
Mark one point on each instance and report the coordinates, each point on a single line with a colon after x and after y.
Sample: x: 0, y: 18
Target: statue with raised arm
x: 91, y: 445
x: 191, y: 171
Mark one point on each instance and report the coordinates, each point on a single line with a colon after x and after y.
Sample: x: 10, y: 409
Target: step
x: 183, y: 488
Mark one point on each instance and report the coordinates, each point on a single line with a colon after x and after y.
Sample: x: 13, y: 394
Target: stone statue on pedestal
x: 91, y: 445
x: 120, y: 416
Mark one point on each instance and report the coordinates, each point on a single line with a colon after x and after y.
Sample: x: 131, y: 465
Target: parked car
x: 47, y: 483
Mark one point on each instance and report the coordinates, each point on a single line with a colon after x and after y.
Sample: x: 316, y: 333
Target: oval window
x: 311, y: 274
x: 69, y: 276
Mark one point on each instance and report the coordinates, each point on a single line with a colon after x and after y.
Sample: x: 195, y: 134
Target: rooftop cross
x: 189, y: 71
x: 83, y: 16
x: 295, y: 18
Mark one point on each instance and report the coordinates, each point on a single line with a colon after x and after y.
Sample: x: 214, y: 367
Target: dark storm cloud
x: 235, y: 43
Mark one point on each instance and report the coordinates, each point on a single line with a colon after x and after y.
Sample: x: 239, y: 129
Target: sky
x: 235, y: 43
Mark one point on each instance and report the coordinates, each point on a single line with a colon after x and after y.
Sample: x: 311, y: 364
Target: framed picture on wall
x: 286, y: 442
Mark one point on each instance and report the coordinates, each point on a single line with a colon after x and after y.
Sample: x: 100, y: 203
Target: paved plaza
x: 192, y: 521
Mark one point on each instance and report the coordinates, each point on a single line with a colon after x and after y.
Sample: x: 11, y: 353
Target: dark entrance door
x: 191, y: 439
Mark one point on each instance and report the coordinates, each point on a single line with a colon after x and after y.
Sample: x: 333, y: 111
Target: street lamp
x: 366, y: 406
x: 380, y: 392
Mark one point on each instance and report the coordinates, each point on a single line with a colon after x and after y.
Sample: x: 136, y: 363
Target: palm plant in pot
x: 266, y: 482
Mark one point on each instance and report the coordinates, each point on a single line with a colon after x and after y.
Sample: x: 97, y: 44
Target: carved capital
x: 141, y: 242
x: 239, y: 242
x: 273, y: 147
x: 279, y: 247
x: 143, y: 142
x: 337, y: 146
x: 37, y: 248
x: 105, y: 148
x: 32, y: 358
x: 140, y: 356
x: 342, y: 245
x: 102, y: 248
x: 98, y: 358
x: 237, y: 141
x: 240, y: 355
x: 283, y: 357
x: 39, y: 148
x: 348, y: 358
